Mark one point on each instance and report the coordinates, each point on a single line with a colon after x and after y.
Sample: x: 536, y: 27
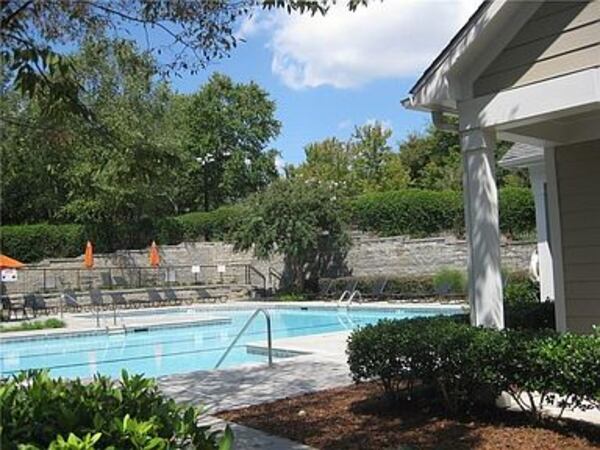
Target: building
x: 529, y: 73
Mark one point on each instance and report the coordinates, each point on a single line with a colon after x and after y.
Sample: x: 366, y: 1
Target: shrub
x: 211, y: 225
x: 37, y: 325
x: 30, y: 243
x: 518, y: 291
x: 517, y: 211
x: 466, y: 365
x: 41, y: 412
x: 408, y: 212
x: 530, y: 316
x: 424, y: 213
x: 450, y: 281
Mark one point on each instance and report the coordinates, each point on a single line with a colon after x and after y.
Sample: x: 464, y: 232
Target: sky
x: 328, y: 74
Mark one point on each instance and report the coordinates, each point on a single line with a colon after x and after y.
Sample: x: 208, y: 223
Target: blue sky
x: 329, y: 74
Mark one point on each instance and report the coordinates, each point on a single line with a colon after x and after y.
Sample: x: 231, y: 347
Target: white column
x: 483, y: 235
x: 537, y: 175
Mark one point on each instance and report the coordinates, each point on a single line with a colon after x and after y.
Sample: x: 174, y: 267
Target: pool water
x: 165, y: 351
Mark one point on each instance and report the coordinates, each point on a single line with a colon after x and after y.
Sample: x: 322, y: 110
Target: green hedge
x: 212, y: 225
x: 423, y: 213
x: 408, y: 212
x: 465, y: 365
x: 411, y: 212
x: 30, y: 243
x: 40, y: 412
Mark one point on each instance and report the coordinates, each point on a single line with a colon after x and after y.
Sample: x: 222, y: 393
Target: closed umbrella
x: 154, y: 255
x: 88, y: 257
x: 155, y: 258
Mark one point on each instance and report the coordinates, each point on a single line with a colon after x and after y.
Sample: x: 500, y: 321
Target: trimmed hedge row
x: 31, y: 243
x: 412, y: 212
x: 422, y: 213
x: 465, y: 365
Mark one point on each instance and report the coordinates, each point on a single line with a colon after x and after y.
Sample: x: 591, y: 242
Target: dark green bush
x: 466, y: 365
x: 530, y: 316
x: 425, y: 213
x: 41, y: 412
x: 30, y: 243
x: 408, y: 212
x: 517, y: 211
x: 450, y: 281
x: 521, y: 290
x: 211, y: 225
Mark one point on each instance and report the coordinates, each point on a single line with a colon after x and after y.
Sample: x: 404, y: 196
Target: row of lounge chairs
x: 71, y: 301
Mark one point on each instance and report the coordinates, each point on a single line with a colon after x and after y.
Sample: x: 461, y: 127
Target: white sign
x: 221, y: 268
x: 9, y: 275
x: 195, y: 269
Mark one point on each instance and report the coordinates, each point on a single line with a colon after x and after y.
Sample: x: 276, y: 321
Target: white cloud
x: 280, y: 165
x: 395, y: 38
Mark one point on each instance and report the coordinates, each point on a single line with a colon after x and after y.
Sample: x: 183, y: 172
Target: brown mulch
x: 358, y: 417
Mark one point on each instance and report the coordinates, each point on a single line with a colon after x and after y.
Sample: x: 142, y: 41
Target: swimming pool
x: 185, y: 348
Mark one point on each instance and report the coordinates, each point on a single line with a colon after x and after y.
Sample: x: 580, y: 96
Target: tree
x: 229, y: 126
x: 119, y: 174
x: 434, y: 161
x: 329, y: 161
x: 301, y: 220
x: 198, y: 31
x: 364, y: 163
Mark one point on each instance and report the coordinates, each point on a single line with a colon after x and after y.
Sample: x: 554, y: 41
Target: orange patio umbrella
x: 154, y: 255
x: 7, y: 262
x: 88, y: 257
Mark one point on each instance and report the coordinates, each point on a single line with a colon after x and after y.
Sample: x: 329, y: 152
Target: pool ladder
x: 350, y: 296
x: 243, y: 330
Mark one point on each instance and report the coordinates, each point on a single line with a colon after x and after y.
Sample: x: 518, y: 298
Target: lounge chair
x: 118, y: 299
x: 12, y: 308
x: 171, y: 297
x: 204, y: 295
x: 69, y: 299
x: 97, y: 299
x: 154, y: 297
x: 36, y: 303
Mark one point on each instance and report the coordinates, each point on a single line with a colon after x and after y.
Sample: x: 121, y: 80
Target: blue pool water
x: 174, y: 350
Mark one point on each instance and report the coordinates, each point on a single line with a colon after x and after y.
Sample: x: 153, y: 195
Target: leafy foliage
x: 36, y: 325
x: 194, y: 32
x: 450, y: 281
x: 410, y: 212
x: 466, y: 365
x: 424, y: 213
x: 305, y: 222
x: 364, y: 163
x: 228, y: 127
x: 42, y: 412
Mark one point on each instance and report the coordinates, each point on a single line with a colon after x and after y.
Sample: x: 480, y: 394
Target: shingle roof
x: 521, y: 154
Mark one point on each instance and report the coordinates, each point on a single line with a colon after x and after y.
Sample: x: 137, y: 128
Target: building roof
x: 521, y: 155
x: 437, y: 61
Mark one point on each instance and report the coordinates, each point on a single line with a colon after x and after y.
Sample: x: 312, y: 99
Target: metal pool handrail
x: 243, y: 330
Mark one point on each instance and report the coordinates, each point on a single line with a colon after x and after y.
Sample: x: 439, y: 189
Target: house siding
x: 560, y: 38
x: 578, y: 179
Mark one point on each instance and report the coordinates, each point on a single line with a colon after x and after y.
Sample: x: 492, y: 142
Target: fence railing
x: 50, y: 279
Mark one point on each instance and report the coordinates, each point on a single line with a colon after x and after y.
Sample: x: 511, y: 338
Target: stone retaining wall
x: 369, y: 256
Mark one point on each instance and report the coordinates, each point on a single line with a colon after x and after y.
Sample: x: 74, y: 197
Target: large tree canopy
x: 138, y: 162
x: 33, y: 34
x: 304, y: 221
x: 228, y: 128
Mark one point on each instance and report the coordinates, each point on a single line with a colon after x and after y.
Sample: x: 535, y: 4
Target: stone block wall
x: 369, y: 256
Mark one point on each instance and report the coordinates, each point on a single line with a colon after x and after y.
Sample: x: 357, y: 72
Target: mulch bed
x: 358, y: 417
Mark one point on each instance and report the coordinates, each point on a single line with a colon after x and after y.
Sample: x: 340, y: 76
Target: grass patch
x: 37, y: 325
